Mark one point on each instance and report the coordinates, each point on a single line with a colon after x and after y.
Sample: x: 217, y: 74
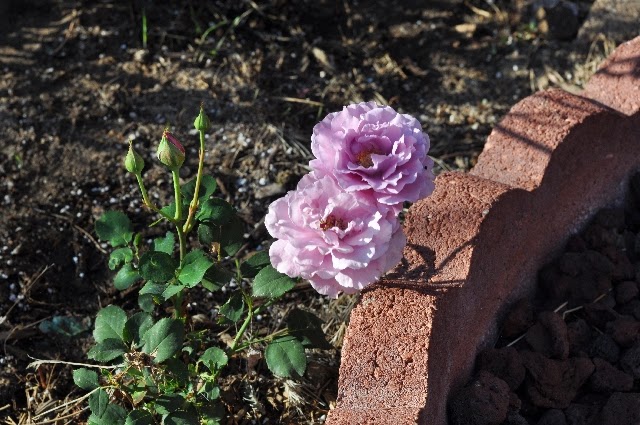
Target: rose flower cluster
x: 339, y: 229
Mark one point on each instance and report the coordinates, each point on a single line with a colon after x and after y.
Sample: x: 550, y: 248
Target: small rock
x: 587, y: 286
x: 607, y: 378
x: 630, y: 361
x: 576, y: 244
x: 514, y: 418
x: 571, y: 263
x: 632, y: 308
x: 580, y: 414
x: 610, y: 218
x: 623, y: 269
x: 621, y: 409
x: 552, y: 417
x: 554, y: 383
x: 598, y: 314
x: 626, y: 291
x: 598, y: 237
x: 554, y: 284
x: 606, y: 348
x: 548, y: 336
x: 598, y: 262
x: 625, y: 331
x: 505, y: 363
x: 520, y: 317
x: 484, y: 401
x: 579, y: 334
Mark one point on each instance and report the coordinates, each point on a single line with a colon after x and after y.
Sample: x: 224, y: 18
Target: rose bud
x: 133, y: 162
x: 202, y: 122
x: 170, y: 151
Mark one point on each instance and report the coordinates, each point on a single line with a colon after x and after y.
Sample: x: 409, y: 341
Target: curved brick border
x: 476, y: 244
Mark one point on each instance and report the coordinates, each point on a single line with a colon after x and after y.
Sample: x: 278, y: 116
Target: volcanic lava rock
x: 484, y: 401
x: 607, y: 378
x: 549, y: 336
x: 505, y: 363
x: 621, y: 409
x: 554, y: 383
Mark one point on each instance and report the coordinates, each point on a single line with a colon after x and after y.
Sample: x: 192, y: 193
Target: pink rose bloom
x: 373, y: 148
x: 339, y: 241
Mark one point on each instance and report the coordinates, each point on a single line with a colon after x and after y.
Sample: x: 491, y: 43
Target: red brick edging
x: 476, y: 244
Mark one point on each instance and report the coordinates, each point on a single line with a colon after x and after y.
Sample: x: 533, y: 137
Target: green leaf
x: 307, y: 328
x: 139, y: 417
x: 229, y: 236
x: 103, y: 413
x: 216, y: 277
x: 233, y: 309
x: 119, y: 257
x: 271, y: 283
x: 214, y: 358
x: 171, y: 290
x: 210, y: 390
x: 285, y: 357
x: 163, y: 339
x: 258, y: 261
x: 98, y: 402
x: 109, y: 323
x: 136, y: 326
x: 182, y: 417
x: 165, y: 244
x: 126, y: 277
x: 167, y: 403
x: 157, y: 266
x: 146, y: 303
x: 170, y: 209
x: 153, y: 288
x: 195, y: 266
x: 213, y: 413
x: 107, y: 350
x: 86, y: 379
x: 208, y: 186
x: 114, y: 227
x: 178, y: 369
x: 215, y: 211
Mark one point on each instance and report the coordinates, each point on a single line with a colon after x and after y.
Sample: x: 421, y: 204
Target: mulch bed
x: 571, y: 356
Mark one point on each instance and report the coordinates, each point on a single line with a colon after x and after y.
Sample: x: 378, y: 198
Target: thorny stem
x: 193, y: 206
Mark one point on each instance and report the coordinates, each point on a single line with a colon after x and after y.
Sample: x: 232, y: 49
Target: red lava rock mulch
x: 573, y: 355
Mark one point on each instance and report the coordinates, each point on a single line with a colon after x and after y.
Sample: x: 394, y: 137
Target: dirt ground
x: 77, y: 83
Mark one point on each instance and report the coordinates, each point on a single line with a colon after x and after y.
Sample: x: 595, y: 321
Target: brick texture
x: 476, y: 244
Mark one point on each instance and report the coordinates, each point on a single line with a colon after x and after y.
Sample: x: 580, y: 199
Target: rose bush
x: 339, y: 241
x: 373, y: 148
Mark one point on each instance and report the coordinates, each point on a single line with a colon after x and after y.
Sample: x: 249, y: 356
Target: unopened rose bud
x: 133, y: 162
x: 202, y: 122
x: 170, y: 151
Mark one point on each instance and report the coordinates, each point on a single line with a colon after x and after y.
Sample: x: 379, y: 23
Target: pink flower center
x: 364, y: 158
x: 332, y: 221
